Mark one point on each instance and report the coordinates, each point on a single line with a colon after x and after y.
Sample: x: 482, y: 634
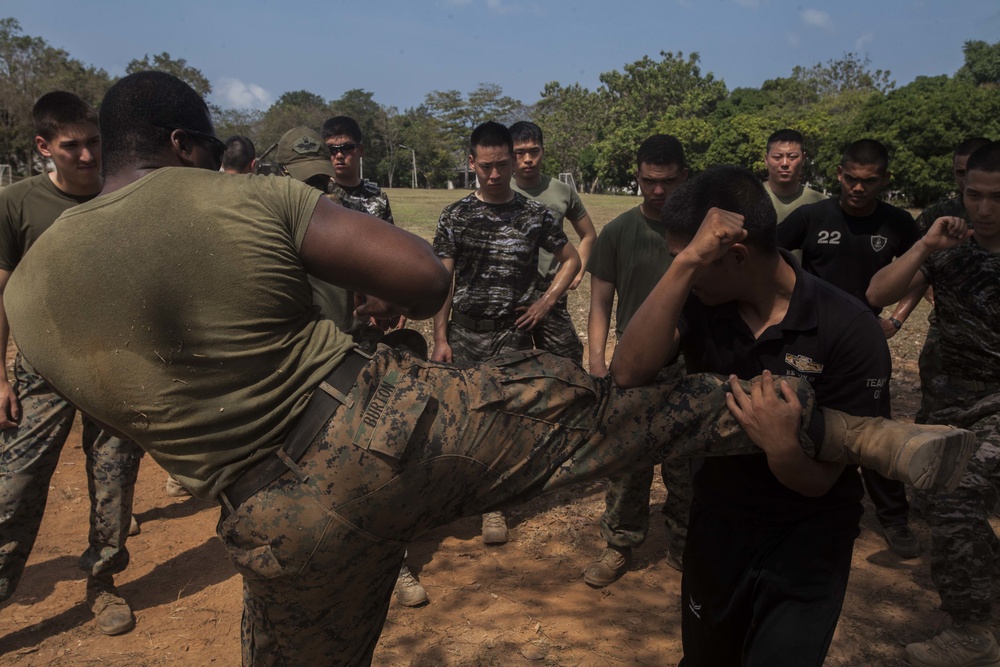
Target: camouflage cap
x: 303, y: 154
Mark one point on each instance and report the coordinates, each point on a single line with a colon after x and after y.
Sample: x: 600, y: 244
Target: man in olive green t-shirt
x: 555, y: 333
x: 36, y: 421
x: 785, y: 157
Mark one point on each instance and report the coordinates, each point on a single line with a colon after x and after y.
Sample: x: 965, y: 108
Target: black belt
x: 322, y: 404
x: 480, y: 325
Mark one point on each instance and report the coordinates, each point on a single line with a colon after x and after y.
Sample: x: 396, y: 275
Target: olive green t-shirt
x: 564, y: 202
x: 27, y: 209
x: 785, y: 205
x: 630, y: 253
x: 176, y: 310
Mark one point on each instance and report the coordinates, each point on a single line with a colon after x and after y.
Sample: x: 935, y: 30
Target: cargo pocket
x: 390, y: 418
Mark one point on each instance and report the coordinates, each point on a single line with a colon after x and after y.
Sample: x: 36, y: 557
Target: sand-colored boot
x: 923, y: 456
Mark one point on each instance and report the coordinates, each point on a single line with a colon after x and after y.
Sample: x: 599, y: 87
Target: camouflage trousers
x: 965, y: 552
x: 470, y: 347
x: 930, y: 366
x: 28, y: 459
x: 556, y: 333
x: 417, y: 445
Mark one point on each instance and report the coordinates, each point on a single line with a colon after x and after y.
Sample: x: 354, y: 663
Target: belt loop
x: 227, y: 507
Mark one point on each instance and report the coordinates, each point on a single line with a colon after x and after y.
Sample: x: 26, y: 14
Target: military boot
x: 409, y: 592
x: 964, y: 644
x: 920, y: 455
x: 111, y: 612
x: 494, y: 528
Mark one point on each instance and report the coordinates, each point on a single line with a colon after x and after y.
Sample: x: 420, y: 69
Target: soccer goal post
x: 568, y: 179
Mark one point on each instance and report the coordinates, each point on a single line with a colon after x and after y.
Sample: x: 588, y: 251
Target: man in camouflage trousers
x: 327, y: 462
x: 36, y: 420
x: 963, y: 267
x: 490, y: 241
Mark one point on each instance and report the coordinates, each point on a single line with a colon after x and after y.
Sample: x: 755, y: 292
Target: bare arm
x: 602, y: 297
x: 902, y: 310
x: 903, y: 276
x: 442, y: 350
x: 10, y: 408
x: 588, y: 235
x: 364, y: 254
x: 773, y: 425
x: 651, y: 337
x: 569, y: 262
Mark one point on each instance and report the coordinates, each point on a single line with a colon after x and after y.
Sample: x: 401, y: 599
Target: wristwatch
x: 896, y: 323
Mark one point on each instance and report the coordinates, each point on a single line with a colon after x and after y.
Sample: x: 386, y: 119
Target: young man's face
x: 958, y: 170
x: 76, y: 152
x: 346, y: 154
x: 527, y: 161
x: 860, y: 185
x: 785, y: 161
x: 656, y: 182
x: 982, y: 201
x: 493, y: 166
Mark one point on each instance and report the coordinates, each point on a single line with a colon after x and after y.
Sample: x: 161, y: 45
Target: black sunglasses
x: 346, y: 149
x: 216, y: 146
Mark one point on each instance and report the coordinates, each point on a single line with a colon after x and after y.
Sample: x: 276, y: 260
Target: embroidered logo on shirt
x: 878, y: 242
x: 803, y: 364
x: 694, y: 607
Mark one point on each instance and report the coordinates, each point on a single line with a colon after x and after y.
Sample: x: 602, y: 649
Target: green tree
x: 982, y: 63
x: 293, y: 108
x: 361, y: 106
x: 569, y: 117
x: 163, y: 62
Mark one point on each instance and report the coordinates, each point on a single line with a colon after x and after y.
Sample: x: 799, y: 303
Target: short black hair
x: 970, y: 145
x: 786, y: 136
x: 732, y: 189
x: 139, y: 112
x: 58, y: 109
x: 985, y: 158
x: 341, y: 126
x: 240, y: 153
x: 491, y: 134
x: 662, y: 150
x: 524, y: 131
x: 867, y: 151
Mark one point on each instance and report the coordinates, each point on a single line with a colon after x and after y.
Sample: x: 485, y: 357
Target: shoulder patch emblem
x: 802, y: 363
x: 878, y: 242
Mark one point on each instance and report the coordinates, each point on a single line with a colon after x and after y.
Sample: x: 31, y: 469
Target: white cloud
x: 500, y: 7
x: 238, y: 95
x: 817, y: 18
x: 864, y: 41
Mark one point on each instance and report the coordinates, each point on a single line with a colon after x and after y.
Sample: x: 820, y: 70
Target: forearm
x: 564, y: 277
x: 588, y: 237
x: 908, y: 303
x: 802, y: 474
x: 598, y: 326
x: 894, y: 281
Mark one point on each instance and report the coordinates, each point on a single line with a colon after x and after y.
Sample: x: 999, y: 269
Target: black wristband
x: 896, y: 323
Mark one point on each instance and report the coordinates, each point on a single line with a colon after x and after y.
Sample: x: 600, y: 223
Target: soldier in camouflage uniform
x: 556, y: 332
x: 36, y: 420
x: 929, y: 362
x: 965, y: 275
x: 343, y: 138
x: 490, y: 240
x: 326, y: 463
x: 629, y: 258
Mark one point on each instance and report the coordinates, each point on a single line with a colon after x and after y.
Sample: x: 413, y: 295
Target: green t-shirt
x: 785, y: 205
x: 176, y: 310
x: 564, y: 202
x: 630, y: 253
x: 27, y: 209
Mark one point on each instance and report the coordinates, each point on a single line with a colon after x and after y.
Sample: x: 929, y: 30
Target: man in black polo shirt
x: 770, y: 535
x: 845, y: 241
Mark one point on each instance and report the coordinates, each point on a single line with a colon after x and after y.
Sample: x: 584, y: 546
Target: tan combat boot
x: 923, y: 456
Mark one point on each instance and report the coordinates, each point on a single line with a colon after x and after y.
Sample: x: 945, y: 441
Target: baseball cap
x: 303, y: 154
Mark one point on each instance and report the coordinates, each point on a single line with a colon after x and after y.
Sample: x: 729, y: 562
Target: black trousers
x: 889, y: 498
x: 756, y: 595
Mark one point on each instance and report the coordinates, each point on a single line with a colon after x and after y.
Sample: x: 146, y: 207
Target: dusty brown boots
x: 922, y: 456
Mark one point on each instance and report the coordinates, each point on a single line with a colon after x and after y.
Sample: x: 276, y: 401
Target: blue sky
x: 253, y: 50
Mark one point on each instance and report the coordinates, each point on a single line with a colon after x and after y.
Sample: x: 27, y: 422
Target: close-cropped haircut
x: 524, y: 131
x: 662, y: 150
x: 240, y: 152
x: 970, y: 145
x: 730, y: 188
x: 341, y: 126
x: 786, y: 136
x: 490, y: 134
x: 985, y: 158
x: 139, y: 112
x: 58, y: 109
x: 866, y: 151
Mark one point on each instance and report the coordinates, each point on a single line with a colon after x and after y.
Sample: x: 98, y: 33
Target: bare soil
x: 521, y: 603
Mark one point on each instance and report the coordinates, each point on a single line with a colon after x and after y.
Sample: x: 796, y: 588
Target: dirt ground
x: 521, y: 603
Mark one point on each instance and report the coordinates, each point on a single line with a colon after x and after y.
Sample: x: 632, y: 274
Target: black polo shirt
x: 846, y: 250
x: 826, y: 337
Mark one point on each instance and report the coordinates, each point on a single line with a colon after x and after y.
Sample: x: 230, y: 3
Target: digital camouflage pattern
x: 469, y: 347
x: 965, y: 552
x: 556, y: 333
x: 954, y: 207
x: 366, y: 197
x: 30, y: 454
x: 417, y: 445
